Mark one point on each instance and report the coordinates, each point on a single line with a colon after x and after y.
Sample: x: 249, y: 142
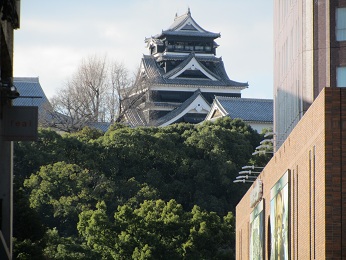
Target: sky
x: 55, y: 36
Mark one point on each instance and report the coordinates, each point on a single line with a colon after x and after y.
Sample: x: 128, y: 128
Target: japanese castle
x: 182, y: 74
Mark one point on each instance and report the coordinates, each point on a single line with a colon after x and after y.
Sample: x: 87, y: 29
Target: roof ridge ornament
x: 188, y: 11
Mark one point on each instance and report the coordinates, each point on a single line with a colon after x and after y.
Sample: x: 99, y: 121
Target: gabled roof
x: 30, y: 91
x: 185, y: 25
x: 191, y: 61
x: 196, y: 101
x: 247, y: 109
x: 156, y: 74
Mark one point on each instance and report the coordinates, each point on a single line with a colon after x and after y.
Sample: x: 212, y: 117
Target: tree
x: 98, y: 231
x: 93, y: 94
x: 83, y: 97
x: 59, y: 192
x: 132, y: 97
x: 120, y: 85
x: 137, y: 192
x: 210, y: 236
x: 65, y: 248
x: 156, y: 229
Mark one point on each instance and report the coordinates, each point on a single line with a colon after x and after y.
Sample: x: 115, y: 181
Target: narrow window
x: 341, y: 24
x: 341, y: 76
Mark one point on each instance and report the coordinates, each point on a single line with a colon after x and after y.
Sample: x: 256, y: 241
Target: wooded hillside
x: 143, y: 193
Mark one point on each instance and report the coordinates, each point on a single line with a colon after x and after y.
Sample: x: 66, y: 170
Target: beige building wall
x: 306, y: 57
x: 293, y: 63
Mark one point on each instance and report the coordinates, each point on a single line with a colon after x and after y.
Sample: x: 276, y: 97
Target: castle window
x: 208, y: 48
x: 179, y: 46
x: 341, y: 24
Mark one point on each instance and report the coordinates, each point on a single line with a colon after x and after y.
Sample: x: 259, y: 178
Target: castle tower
x: 182, y: 75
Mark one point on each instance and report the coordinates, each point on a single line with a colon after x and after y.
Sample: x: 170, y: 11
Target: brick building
x: 296, y: 208
x: 308, y: 169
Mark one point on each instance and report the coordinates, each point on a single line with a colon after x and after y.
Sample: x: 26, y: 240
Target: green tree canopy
x: 157, y: 230
x: 142, y: 193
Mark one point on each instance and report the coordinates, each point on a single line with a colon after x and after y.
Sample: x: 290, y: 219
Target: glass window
x: 341, y: 24
x: 341, y: 77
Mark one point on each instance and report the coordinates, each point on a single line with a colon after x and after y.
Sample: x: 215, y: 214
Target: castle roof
x: 180, y: 57
x: 248, y: 109
x: 185, y: 25
x: 184, y: 108
x: 216, y: 75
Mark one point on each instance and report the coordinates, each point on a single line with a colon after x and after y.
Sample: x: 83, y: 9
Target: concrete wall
x: 306, y: 55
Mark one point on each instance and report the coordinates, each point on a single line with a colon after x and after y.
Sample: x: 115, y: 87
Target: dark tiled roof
x: 188, y: 29
x: 103, y: 126
x: 189, y: 34
x: 179, y: 20
x: 248, y: 109
x: 166, y: 104
x: 203, y: 58
x: 135, y: 117
x: 184, y: 63
x: 156, y: 75
x: 152, y: 69
x: 30, y: 91
x: 179, y: 109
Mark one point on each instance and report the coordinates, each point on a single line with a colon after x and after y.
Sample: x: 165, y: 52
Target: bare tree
x: 97, y: 92
x: 120, y: 81
x: 132, y: 97
x: 90, y: 86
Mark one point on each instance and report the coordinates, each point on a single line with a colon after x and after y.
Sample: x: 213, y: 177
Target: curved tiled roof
x: 102, y: 126
x: 184, y: 63
x: 135, y: 117
x: 156, y: 75
x: 153, y: 71
x: 248, y: 109
x: 180, y: 20
x: 179, y: 109
x: 192, y: 29
x: 30, y: 91
x: 189, y: 33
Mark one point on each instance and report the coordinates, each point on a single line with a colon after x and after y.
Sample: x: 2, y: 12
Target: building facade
x: 309, y: 54
x: 296, y: 207
x: 180, y: 77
